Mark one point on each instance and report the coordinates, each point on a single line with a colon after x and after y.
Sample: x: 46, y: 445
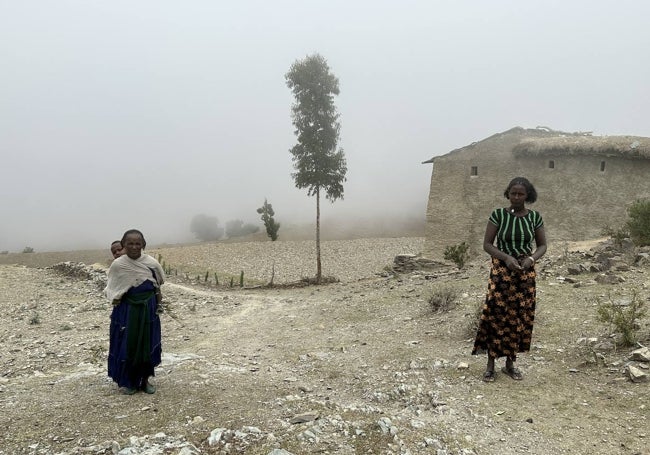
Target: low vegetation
x: 624, y: 316
x: 636, y: 227
x: 443, y: 299
x: 638, y: 223
x: 458, y: 254
x: 272, y: 227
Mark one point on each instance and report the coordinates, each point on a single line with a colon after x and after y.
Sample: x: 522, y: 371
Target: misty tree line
x: 207, y: 228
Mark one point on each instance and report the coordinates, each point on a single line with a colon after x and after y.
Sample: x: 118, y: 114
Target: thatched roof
x: 544, y: 141
x: 610, y: 146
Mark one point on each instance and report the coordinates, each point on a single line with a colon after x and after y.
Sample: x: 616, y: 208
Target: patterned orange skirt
x: 506, y: 325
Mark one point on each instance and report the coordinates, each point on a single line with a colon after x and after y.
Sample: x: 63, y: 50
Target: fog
x: 142, y: 114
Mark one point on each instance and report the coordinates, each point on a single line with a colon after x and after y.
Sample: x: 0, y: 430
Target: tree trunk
x: 318, y: 266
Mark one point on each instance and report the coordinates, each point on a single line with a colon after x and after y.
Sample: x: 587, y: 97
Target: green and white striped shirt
x: 515, y: 234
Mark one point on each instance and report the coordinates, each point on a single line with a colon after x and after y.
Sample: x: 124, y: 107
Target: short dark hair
x: 116, y: 241
x: 134, y: 231
x: 531, y: 192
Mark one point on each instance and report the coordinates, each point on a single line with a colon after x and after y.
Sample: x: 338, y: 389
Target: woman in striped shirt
x: 506, y: 324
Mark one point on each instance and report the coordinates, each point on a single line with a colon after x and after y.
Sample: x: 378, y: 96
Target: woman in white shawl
x: 133, y: 287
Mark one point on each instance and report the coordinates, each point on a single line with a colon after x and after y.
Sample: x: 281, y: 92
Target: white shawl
x: 125, y: 273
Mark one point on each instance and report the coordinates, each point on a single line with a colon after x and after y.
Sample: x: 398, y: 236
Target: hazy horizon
x: 115, y: 115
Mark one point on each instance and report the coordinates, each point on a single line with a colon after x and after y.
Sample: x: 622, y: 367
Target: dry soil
x: 379, y: 370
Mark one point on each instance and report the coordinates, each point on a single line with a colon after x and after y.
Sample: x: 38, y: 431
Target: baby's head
x: 116, y: 249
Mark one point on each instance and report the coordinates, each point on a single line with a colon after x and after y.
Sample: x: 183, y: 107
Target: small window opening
x: 602, y: 166
x: 474, y: 170
x: 551, y: 164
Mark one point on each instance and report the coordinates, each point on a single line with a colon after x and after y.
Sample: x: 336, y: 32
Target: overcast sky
x: 121, y: 114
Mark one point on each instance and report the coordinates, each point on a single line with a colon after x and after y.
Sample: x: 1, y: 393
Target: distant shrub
x: 458, y: 254
x: 443, y: 299
x: 206, y: 228
x: 237, y: 228
x: 617, y: 235
x: 623, y: 316
x: 638, y: 223
x: 4, y: 252
x: 272, y: 227
x: 28, y: 249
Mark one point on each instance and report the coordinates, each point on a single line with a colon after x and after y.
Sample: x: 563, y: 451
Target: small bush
x: 474, y: 319
x: 638, y: 223
x: 4, y: 252
x: 443, y: 299
x: 617, y: 235
x: 237, y: 228
x: 458, y: 254
x: 28, y: 249
x: 624, y: 316
x: 272, y: 227
x: 35, y: 319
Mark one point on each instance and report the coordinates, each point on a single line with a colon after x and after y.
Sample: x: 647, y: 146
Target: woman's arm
x: 540, y: 242
x: 488, y: 246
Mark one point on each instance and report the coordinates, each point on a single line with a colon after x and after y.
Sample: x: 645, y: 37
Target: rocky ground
x: 363, y: 365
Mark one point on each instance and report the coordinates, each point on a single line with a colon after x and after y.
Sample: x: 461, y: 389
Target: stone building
x: 585, y: 183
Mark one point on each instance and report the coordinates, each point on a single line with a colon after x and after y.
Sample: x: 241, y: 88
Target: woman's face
x: 517, y: 196
x: 133, y: 244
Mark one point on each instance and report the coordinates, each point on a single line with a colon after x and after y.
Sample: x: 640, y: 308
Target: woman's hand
x: 513, y: 264
x: 527, y: 262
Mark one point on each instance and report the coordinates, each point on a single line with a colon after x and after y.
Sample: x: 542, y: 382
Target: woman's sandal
x: 513, y: 372
x: 488, y: 376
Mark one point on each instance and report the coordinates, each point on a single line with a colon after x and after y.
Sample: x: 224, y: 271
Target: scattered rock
x: 93, y: 273
x: 636, y: 375
x: 406, y: 263
x: 641, y: 355
x: 309, y: 416
x: 608, y: 278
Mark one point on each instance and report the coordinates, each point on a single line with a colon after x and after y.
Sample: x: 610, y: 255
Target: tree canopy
x: 318, y: 163
x: 206, y: 228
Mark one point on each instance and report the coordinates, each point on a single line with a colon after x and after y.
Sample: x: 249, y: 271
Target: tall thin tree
x: 320, y: 166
